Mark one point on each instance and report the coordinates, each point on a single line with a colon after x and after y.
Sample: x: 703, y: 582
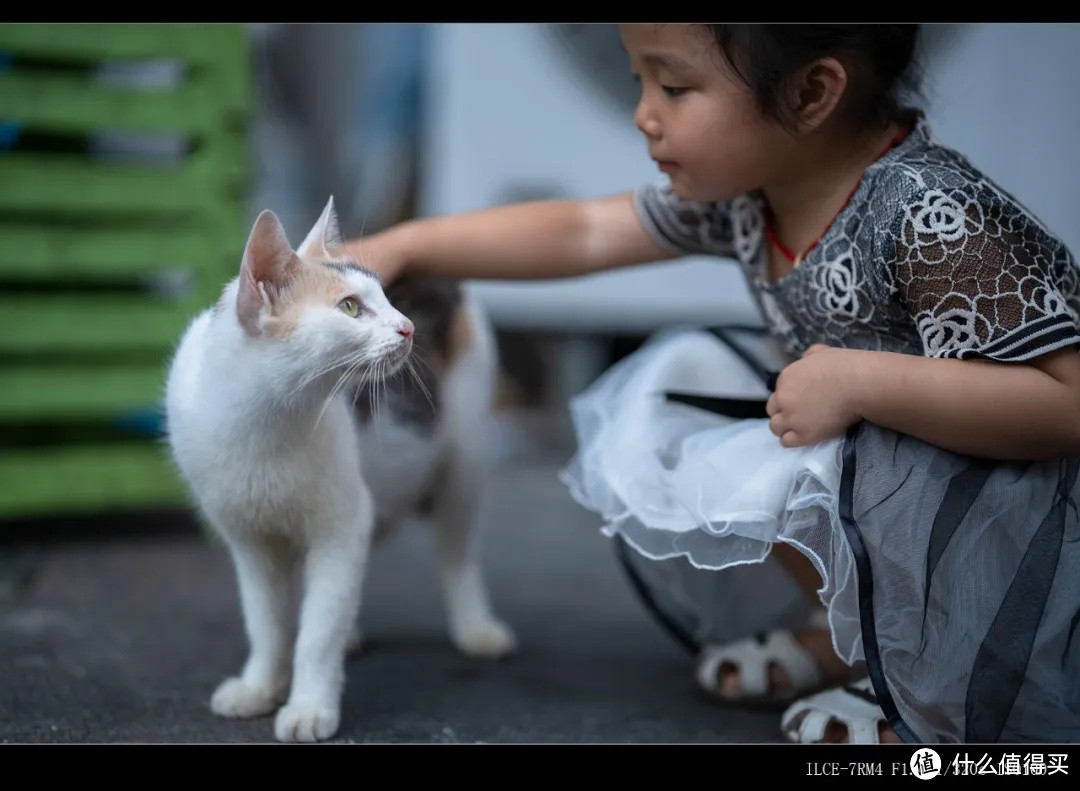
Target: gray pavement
x: 122, y: 638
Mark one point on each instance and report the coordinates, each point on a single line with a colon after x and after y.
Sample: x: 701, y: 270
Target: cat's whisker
x: 357, y: 391
x: 355, y: 369
x: 411, y: 368
x: 382, y: 399
x: 371, y: 403
x: 369, y: 379
x: 363, y: 222
x: 334, y: 391
x: 377, y: 368
x: 313, y: 377
x: 421, y: 358
x: 360, y: 252
x: 318, y: 419
x: 346, y: 364
x: 420, y: 383
x: 310, y: 378
x: 370, y: 398
x: 360, y: 243
x: 329, y: 398
x: 427, y: 365
x: 296, y: 393
x: 388, y: 378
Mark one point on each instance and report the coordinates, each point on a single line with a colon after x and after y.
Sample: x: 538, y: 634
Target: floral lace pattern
x: 929, y: 257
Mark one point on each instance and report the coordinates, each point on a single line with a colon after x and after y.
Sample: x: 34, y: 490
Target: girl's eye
x: 350, y: 307
x: 672, y: 91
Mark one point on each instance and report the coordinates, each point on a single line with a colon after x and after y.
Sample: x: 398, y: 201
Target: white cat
x: 288, y: 462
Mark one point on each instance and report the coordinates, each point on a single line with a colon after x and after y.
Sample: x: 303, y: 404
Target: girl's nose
x: 645, y: 121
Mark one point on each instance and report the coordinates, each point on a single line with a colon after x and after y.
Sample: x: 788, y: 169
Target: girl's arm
x: 1014, y: 411
x: 993, y: 289
x: 533, y: 240
x: 996, y: 410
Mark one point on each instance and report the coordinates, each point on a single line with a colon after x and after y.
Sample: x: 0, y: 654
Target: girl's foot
x: 816, y: 642
x: 847, y: 714
x: 776, y: 667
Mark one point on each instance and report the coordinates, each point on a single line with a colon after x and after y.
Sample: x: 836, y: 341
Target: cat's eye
x: 350, y: 307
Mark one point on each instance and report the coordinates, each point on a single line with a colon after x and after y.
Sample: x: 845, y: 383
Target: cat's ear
x: 268, y: 264
x: 323, y: 237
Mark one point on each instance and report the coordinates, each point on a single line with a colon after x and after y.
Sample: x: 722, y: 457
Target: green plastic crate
x: 104, y: 262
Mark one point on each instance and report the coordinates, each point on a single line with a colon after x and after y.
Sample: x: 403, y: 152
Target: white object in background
x: 1005, y: 96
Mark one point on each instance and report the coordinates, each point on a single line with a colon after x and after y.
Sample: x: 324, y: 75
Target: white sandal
x: 854, y: 706
x: 753, y: 656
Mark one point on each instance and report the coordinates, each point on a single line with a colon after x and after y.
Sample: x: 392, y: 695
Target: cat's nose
x: 406, y: 329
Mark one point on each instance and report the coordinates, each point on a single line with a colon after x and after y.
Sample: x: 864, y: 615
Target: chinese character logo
x: 925, y: 764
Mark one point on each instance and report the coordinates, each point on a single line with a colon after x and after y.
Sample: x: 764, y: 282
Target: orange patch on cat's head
x: 313, y: 285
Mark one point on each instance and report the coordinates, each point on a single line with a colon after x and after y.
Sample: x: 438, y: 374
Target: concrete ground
x: 118, y: 629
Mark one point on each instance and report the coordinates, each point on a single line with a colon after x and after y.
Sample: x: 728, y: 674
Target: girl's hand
x: 813, y: 400
x: 378, y: 253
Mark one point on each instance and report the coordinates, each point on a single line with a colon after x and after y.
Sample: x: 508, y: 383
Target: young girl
x: 915, y: 462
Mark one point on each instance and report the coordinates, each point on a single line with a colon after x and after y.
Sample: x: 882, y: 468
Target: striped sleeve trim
x: 1025, y: 343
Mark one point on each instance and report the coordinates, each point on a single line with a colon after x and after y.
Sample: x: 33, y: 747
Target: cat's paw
x: 306, y: 721
x: 491, y: 639
x: 238, y: 698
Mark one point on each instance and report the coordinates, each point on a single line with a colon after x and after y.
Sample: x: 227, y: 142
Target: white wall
x: 1007, y: 95
x: 508, y: 108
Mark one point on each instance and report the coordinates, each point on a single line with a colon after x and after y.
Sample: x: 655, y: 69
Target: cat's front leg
x: 474, y: 629
x: 333, y: 580
x: 264, y: 576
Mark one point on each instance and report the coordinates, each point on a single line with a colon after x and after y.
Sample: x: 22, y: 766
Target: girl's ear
x: 323, y: 237
x: 269, y: 263
x: 816, y: 91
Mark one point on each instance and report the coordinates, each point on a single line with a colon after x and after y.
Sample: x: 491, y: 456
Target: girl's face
x: 701, y: 123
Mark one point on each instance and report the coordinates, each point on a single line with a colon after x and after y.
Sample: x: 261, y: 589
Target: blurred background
x: 133, y: 160
x: 134, y: 157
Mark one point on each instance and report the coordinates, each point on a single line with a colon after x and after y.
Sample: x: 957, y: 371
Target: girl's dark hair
x: 885, y: 76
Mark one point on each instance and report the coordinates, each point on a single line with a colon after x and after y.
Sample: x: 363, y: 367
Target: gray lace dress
x: 958, y: 576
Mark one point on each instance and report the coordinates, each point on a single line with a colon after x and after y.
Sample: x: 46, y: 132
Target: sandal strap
x: 752, y: 657
x: 853, y: 706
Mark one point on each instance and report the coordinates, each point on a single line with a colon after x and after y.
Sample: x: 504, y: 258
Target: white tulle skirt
x: 677, y: 481
x: 952, y: 578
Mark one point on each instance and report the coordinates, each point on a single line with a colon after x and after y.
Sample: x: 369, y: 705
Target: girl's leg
x: 817, y: 641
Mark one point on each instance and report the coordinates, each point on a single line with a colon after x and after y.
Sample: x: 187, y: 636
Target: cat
x: 271, y: 421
